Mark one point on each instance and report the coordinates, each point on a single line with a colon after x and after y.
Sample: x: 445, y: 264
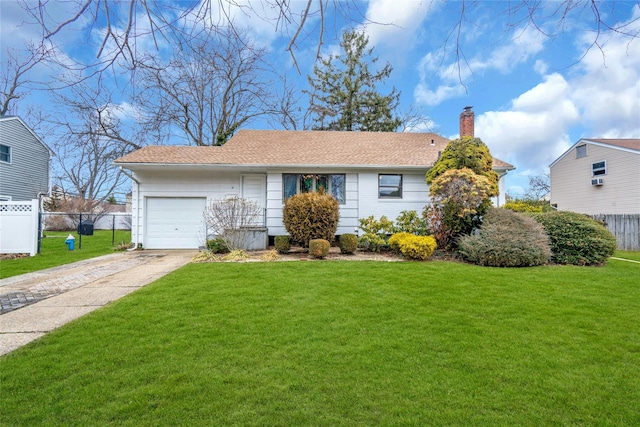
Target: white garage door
x: 175, y: 223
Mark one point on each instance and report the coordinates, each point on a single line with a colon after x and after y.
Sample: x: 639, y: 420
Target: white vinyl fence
x: 19, y: 227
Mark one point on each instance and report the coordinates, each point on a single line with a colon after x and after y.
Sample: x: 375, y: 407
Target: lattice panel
x: 16, y: 208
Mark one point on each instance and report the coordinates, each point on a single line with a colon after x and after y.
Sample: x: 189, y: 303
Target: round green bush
x: 309, y: 216
x: 217, y: 246
x: 577, y: 239
x: 319, y: 248
x: 282, y: 244
x: 348, y: 243
x: 506, y: 239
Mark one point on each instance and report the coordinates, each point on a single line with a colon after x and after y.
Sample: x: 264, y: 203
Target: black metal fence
x: 83, y: 224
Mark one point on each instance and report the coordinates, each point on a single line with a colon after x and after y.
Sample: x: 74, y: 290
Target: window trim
x: 399, y: 187
x: 600, y: 170
x: 9, y: 154
x: 298, y: 177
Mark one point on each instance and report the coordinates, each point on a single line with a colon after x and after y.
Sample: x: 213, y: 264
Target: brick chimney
x: 467, y: 122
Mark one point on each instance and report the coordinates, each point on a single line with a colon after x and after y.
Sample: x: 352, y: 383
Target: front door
x: 254, y: 188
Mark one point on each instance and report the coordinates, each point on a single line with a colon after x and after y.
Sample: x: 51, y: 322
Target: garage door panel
x: 175, y: 223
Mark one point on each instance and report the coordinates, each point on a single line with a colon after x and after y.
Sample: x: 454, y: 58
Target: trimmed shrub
x: 217, y: 246
x: 376, y: 233
x: 413, y: 247
x: 310, y: 216
x: 577, y: 239
x: 506, y: 239
x: 319, y: 248
x: 522, y: 206
x: 411, y: 222
x: 348, y: 243
x: 282, y: 244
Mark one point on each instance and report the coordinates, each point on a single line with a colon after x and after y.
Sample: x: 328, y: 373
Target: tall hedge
x: 577, y: 239
x: 309, y: 216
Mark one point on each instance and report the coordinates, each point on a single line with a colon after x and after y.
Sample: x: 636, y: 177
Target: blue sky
x: 533, y: 95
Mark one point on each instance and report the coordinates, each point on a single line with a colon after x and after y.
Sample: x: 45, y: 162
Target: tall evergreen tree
x: 343, y: 93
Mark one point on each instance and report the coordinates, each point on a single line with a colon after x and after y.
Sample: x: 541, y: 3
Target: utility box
x: 85, y: 228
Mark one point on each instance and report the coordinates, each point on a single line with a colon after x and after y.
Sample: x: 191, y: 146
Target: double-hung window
x: 5, y: 153
x: 389, y: 186
x: 333, y: 184
x: 599, y: 168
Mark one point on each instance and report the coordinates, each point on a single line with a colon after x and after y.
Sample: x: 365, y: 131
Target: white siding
x: 184, y: 184
x: 415, y: 195
x: 571, y: 188
x: 361, y: 198
x: 348, y: 211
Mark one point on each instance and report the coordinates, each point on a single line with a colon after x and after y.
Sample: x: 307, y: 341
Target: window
x: 599, y: 168
x: 5, y: 153
x: 581, y: 151
x: 389, y: 186
x: 293, y: 184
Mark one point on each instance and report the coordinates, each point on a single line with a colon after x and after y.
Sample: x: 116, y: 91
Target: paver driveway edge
x: 79, y: 288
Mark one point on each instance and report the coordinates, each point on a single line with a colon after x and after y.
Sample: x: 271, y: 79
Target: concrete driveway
x: 36, y: 303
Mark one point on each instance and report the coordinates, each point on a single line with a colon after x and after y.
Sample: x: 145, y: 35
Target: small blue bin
x: 70, y: 242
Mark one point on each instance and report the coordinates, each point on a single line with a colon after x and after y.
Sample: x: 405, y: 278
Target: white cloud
x: 607, y: 87
x: 534, y: 131
x: 525, y: 44
x: 396, y: 24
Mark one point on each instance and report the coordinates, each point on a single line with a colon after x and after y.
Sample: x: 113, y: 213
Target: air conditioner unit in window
x: 597, y: 181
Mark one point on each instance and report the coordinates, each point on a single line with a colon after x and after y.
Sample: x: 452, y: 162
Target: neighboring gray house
x: 25, y: 161
x: 369, y: 173
x: 598, y: 176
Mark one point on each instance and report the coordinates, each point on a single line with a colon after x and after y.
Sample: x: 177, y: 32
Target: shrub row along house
x: 369, y: 173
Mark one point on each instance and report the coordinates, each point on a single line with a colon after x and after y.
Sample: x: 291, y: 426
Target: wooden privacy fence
x: 625, y: 227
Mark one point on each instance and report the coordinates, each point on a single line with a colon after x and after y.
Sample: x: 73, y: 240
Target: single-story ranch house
x: 370, y: 173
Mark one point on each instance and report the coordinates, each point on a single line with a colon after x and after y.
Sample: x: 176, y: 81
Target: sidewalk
x: 36, y: 303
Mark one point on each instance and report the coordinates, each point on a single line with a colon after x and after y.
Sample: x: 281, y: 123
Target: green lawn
x: 344, y: 343
x: 54, y: 252
x: 635, y: 256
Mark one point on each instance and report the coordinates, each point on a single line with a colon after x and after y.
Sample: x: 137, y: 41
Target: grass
x: 54, y: 252
x: 344, y: 343
x: 634, y: 256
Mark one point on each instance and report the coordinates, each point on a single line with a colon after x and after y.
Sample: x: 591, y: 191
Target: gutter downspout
x: 136, y: 240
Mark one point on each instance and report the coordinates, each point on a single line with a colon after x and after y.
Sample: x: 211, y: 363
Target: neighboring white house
x: 370, y: 173
x: 25, y: 161
x: 598, y: 176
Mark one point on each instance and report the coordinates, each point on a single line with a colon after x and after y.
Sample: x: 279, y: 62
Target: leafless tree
x: 539, y: 186
x: 550, y: 19
x: 15, y: 82
x: 210, y: 89
x: 89, y: 136
x: 230, y: 219
x: 413, y: 119
x: 125, y: 22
